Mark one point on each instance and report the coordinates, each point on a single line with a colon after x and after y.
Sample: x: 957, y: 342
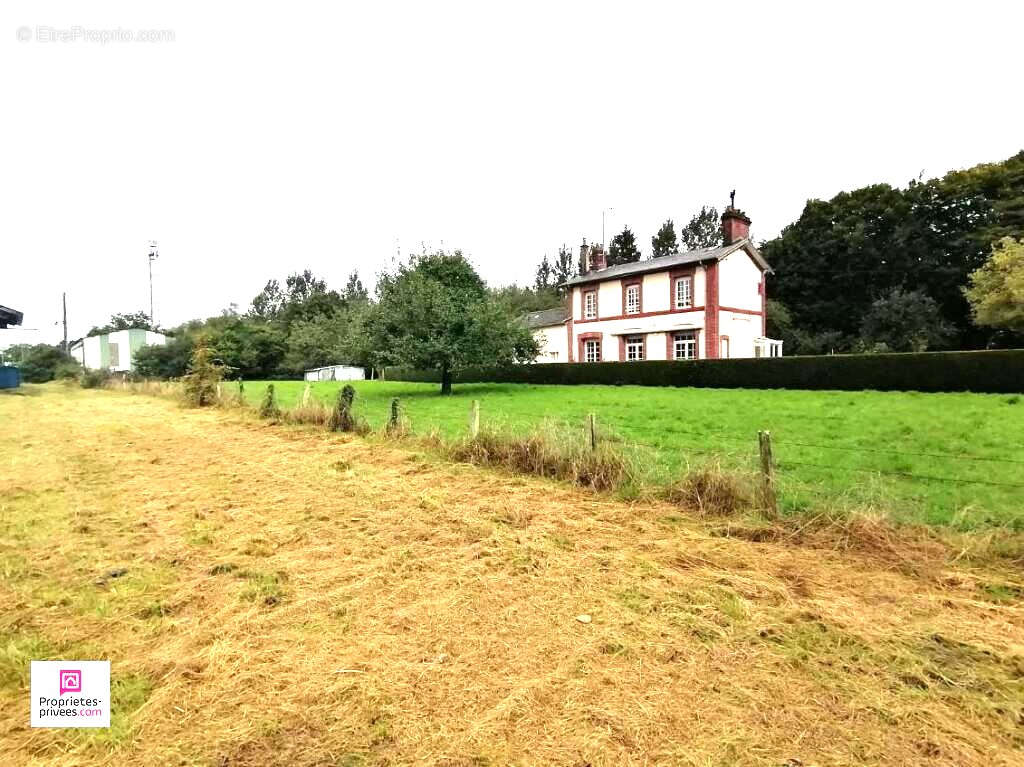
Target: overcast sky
x: 269, y: 137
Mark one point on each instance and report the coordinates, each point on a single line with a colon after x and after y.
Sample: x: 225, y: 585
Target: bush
x: 268, y: 406
x: 94, y: 379
x: 204, y: 375
x: 341, y: 417
x: 67, y: 371
x: 38, y: 363
x: 998, y: 371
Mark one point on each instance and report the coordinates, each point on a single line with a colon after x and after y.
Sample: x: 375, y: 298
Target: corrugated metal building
x: 114, y: 351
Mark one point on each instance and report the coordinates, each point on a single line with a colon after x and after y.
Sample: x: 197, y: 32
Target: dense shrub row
x: 1000, y: 371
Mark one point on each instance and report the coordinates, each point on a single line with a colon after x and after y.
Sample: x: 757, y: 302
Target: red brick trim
x: 670, y: 337
x: 754, y: 312
x: 643, y: 314
x: 711, y: 318
x: 581, y: 342
x: 675, y: 275
x: 764, y: 304
x: 568, y: 346
x: 625, y: 286
x: 622, y: 344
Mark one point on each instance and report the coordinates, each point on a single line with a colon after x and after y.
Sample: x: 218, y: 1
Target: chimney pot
x: 735, y: 225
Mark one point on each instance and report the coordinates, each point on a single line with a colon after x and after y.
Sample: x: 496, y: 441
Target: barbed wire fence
x: 785, y: 454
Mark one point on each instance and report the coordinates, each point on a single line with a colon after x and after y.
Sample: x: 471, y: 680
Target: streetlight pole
x: 153, y: 255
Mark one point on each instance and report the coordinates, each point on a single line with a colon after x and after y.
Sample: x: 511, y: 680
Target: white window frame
x: 724, y: 347
x: 633, y: 298
x: 592, y: 348
x: 684, y: 301
x: 635, y: 348
x: 682, y: 341
x: 590, y: 305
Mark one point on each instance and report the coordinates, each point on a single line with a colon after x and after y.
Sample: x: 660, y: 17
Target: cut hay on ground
x: 294, y: 598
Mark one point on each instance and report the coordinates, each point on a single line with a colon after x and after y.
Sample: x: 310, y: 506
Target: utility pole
x: 153, y: 255
x: 64, y: 301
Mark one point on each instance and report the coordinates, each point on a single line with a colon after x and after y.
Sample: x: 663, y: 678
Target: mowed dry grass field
x: 300, y: 598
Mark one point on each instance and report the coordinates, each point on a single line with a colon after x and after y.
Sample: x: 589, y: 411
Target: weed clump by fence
x: 548, y: 452
x: 711, y: 491
x: 268, y: 406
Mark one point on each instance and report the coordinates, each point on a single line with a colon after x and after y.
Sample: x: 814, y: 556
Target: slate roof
x: 545, y: 318
x: 667, y: 262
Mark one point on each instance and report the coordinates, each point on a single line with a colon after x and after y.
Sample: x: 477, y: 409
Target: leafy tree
x: 996, y: 290
x: 124, y: 322
x: 704, y: 230
x: 268, y: 303
x: 354, y: 291
x: 170, y: 360
x: 38, y: 363
x: 840, y: 255
x: 565, y: 266
x: 664, y: 243
x: 303, y: 297
x: 545, y: 274
x: 254, y: 349
x: 434, y: 313
x: 903, y: 321
x: 623, y: 249
x: 518, y: 301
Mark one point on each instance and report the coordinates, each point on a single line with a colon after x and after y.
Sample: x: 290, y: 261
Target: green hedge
x: 1000, y: 371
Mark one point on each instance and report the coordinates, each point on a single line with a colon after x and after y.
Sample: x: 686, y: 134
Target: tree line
x: 938, y: 264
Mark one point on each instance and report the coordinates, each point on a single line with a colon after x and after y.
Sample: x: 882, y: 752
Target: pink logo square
x: 70, y: 680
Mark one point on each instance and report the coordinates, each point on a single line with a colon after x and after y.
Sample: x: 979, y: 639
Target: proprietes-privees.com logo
x: 70, y: 693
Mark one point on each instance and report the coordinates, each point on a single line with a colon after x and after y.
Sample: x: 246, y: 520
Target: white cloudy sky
x: 269, y: 137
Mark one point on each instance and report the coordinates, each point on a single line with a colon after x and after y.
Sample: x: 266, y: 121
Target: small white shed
x: 336, y: 373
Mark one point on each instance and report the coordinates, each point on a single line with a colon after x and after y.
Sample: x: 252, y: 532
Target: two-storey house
x: 702, y: 304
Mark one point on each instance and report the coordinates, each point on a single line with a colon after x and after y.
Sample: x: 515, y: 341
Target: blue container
x: 10, y: 378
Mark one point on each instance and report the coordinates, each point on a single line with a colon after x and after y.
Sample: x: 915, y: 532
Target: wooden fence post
x: 474, y: 419
x: 395, y: 421
x: 771, y: 506
x: 592, y: 429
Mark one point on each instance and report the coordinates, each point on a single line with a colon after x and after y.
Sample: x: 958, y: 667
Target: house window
x: 684, y: 293
x: 590, y: 305
x: 553, y: 355
x: 592, y: 350
x: 632, y: 299
x: 634, y: 348
x: 725, y: 347
x: 684, y: 346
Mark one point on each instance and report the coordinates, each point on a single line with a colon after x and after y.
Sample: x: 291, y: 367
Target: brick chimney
x: 735, y: 225
x: 598, y: 259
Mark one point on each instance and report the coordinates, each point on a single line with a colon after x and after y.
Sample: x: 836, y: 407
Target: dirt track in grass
x: 293, y: 597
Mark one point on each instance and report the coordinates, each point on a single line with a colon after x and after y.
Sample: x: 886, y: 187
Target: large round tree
x: 434, y: 313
